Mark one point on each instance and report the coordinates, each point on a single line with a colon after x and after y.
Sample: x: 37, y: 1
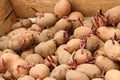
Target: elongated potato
x: 112, y: 74
x: 77, y: 75
x: 105, y: 63
x: 62, y: 8
x: 114, y: 14
x: 46, y: 48
x: 46, y: 20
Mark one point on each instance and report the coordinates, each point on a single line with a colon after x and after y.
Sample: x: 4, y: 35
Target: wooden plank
x: 87, y: 7
x: 5, y: 27
x: 5, y: 9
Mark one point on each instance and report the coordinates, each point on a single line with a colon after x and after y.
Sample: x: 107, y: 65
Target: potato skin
x: 47, y: 20
x: 112, y: 74
x: 89, y: 69
x: 62, y: 8
x: 39, y: 71
x: 105, y: 63
x: 114, y: 14
x: 77, y: 75
x: 46, y: 48
x: 21, y: 41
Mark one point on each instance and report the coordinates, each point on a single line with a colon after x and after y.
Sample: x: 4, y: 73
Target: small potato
x: 21, y: 41
x: 34, y: 58
x: 72, y: 45
x: 14, y: 63
x: 63, y: 24
x: 93, y: 43
x: 22, y: 23
x: 62, y: 8
x: 45, y: 35
x: 59, y: 72
x: 81, y: 32
x: 46, y: 48
x: 75, y: 75
x: 39, y: 71
x: 63, y: 57
x: 112, y: 49
x: 46, y: 19
x: 105, y: 63
x: 112, y: 74
x: 97, y: 79
x: 36, y: 27
x: 82, y: 56
x: 99, y: 52
x: 88, y: 23
x: 51, y: 61
x: 118, y: 25
x: 49, y: 78
x: 26, y: 52
x: 61, y: 37
x: 60, y: 48
x: 89, y: 69
x: 4, y: 40
x: 113, y: 14
x: 26, y: 77
x: 16, y: 31
x: 106, y: 33
x: 75, y: 16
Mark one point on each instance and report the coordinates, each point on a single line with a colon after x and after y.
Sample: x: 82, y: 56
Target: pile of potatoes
x: 63, y: 45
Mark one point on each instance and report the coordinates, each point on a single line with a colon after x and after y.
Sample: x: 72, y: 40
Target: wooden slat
x: 87, y: 7
x: 5, y: 9
x: 5, y: 27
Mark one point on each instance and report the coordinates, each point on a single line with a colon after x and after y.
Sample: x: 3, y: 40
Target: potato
x: 4, y: 40
x: 88, y: 23
x: 63, y: 24
x: 77, y: 75
x: 74, y: 17
x: 118, y: 25
x: 63, y: 57
x: 51, y: 61
x: 60, y: 48
x: 49, y: 78
x: 36, y: 27
x: 61, y: 37
x: 97, y: 79
x: 112, y: 74
x: 16, y: 31
x: 39, y: 71
x: 26, y: 52
x: 26, y: 77
x: 93, y: 43
x: 2, y: 66
x: 82, y: 56
x: 89, y: 69
x: 46, y: 20
x: 112, y: 49
x: 46, y: 48
x: 59, y: 72
x: 62, y: 8
x: 105, y: 64
x: 21, y: 41
x: 106, y: 33
x: 99, y: 52
x: 14, y: 63
x: 113, y: 14
x: 46, y: 35
x: 81, y: 32
x: 8, y: 75
x: 22, y: 23
x: 34, y: 58
x: 72, y: 45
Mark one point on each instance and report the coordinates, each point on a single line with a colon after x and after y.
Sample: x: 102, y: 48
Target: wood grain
x: 5, y: 9
x: 87, y: 7
x: 5, y: 27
